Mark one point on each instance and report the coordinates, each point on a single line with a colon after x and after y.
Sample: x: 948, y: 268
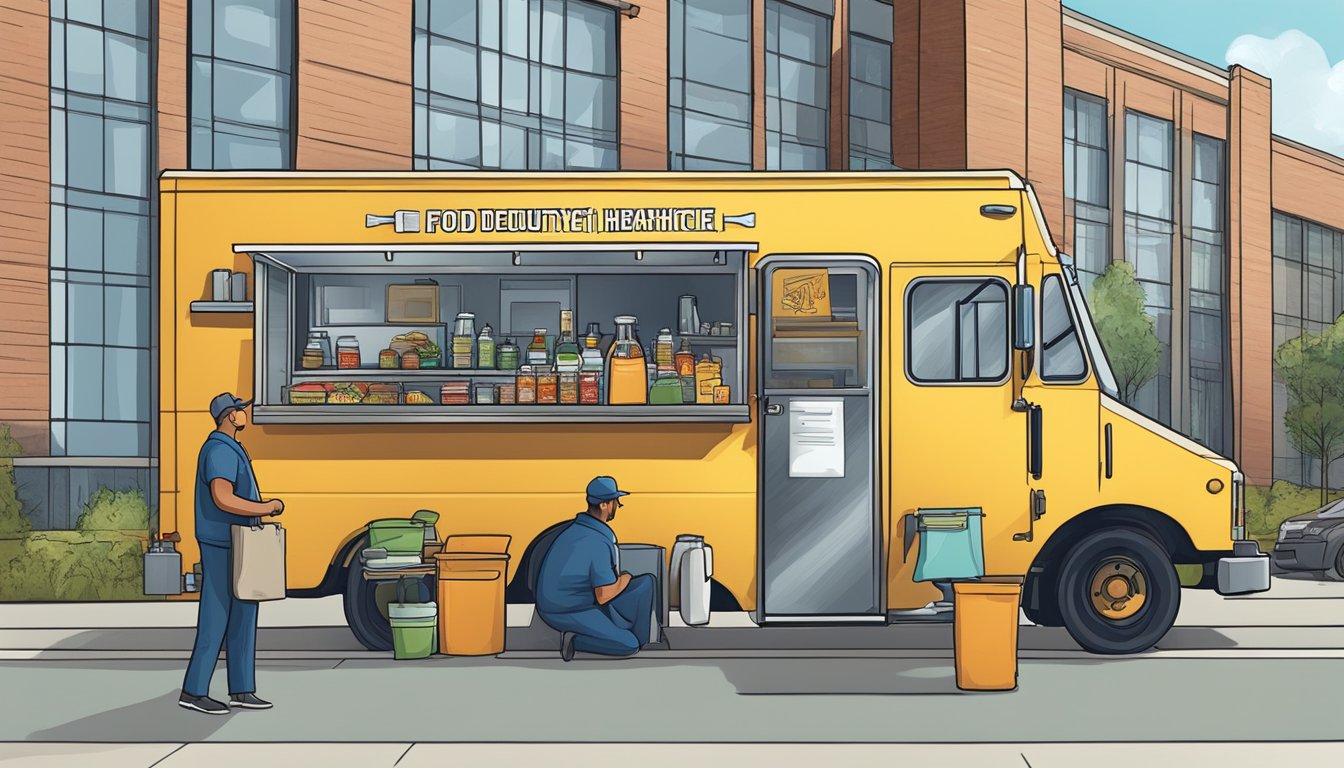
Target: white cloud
x: 1308, y: 92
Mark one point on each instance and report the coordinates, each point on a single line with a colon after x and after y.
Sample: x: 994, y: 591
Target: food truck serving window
x: 541, y: 335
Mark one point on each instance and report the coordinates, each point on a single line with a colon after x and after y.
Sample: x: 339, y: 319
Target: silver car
x: 1313, y: 541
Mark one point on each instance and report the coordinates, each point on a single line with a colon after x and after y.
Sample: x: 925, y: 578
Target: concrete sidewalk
x: 421, y: 755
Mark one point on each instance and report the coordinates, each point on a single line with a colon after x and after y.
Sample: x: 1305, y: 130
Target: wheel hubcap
x: 1118, y: 588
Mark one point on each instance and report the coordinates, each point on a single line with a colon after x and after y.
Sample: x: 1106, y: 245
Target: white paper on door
x: 816, y: 438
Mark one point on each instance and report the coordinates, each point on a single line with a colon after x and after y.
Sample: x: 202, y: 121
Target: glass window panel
x: 84, y: 59
x: 553, y: 33
x: 552, y: 93
x: 84, y: 377
x: 514, y: 94
x: 456, y: 20
x: 1206, y: 210
x: 86, y: 313
x: 57, y: 63
x: 802, y: 35
x: 202, y: 93
x: 85, y: 241
x: 252, y: 96
x: 125, y: 316
x: 489, y: 10
x: 202, y: 147
x: 452, y: 69
x: 1093, y: 180
x: 514, y: 13
x: 126, y: 243
x: 129, y: 16
x: 454, y: 137
x: 234, y: 151
x: 125, y: 386
x: 729, y: 105
x: 420, y: 58
x: 106, y: 438
x: 590, y: 102
x: 490, y: 78
x: 58, y: 146
x: 202, y: 28
x: 127, y: 63
x: 802, y: 82
x: 590, y: 38
x: 127, y: 158
x: 1295, y: 239
x: 715, y: 138
x: 1280, y: 235
x: 870, y: 61
x: 512, y: 148
x: 1061, y: 352
x: 869, y: 101
x: 87, y: 11
x: 941, y: 313
x: 1206, y: 267
x: 58, y: 379
x: 252, y: 31
x: 718, y: 61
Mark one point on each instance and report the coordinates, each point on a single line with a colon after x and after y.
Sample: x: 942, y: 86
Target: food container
x: 590, y: 387
x: 389, y: 358
x: 548, y: 387
x: 219, y: 284
x: 722, y: 395
x: 708, y: 375
x: 464, y: 341
x: 410, y: 359
x: 484, y: 394
x: 415, y: 303
x: 506, y: 394
x: 485, y: 348
x: 527, y: 386
x: 506, y: 357
x: 383, y: 394
x: 347, y: 352
x: 569, y: 389
x: 416, y: 397
x: 312, y: 355
x: 455, y: 393
x: 308, y: 393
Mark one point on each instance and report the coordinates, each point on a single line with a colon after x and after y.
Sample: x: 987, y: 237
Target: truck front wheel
x: 1117, y: 592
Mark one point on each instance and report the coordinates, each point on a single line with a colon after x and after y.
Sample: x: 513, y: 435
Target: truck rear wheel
x: 1118, y: 592
x: 366, y: 606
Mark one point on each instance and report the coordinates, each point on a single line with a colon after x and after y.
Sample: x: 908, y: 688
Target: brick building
x: 1138, y: 152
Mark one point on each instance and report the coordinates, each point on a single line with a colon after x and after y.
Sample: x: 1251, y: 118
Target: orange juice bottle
x: 627, y: 382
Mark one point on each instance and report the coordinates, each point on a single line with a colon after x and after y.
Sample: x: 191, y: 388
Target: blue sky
x: 1298, y: 44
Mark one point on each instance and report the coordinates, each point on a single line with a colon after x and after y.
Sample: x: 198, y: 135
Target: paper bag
x: 259, y: 562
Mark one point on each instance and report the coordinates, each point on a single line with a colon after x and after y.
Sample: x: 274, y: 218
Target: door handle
x: 1035, y: 435
x: 1036, y: 505
x: 773, y: 410
x: 1110, y: 454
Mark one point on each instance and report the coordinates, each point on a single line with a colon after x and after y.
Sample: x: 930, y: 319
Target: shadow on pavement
x: 158, y: 720
x: 181, y: 639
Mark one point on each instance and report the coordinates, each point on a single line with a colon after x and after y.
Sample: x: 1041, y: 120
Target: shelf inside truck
x: 523, y: 414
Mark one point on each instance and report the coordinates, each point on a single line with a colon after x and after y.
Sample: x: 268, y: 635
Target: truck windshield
x: 1103, y: 367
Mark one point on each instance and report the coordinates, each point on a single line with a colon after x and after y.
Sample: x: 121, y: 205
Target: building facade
x: 1137, y: 152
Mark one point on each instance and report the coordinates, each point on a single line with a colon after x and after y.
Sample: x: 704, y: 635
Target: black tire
x: 369, y: 625
x: 1338, y: 572
x: 1046, y: 613
x: 1137, y: 560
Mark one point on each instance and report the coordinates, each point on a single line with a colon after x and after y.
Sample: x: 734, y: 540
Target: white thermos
x: 692, y: 565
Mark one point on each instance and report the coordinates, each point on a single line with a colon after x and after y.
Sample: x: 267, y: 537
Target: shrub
x: 12, y: 522
x: 72, y: 565
x: 1267, y: 508
x: 110, y: 510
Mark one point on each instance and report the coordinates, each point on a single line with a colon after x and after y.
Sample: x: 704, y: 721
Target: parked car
x: 1313, y: 541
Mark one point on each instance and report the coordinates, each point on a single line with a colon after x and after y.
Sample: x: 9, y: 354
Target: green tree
x: 1312, y: 368
x: 12, y: 522
x: 1126, y: 331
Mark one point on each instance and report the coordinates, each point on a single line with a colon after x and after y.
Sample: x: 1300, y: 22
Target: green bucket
x: 415, y: 630
x: 398, y: 536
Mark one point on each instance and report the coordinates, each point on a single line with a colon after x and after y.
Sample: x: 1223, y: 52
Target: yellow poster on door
x: 801, y: 293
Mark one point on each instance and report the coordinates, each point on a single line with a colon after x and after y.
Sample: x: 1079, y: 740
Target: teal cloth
x: 951, y: 545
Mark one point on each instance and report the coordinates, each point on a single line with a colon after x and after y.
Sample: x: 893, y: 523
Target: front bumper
x: 1246, y: 571
x: 1300, y: 555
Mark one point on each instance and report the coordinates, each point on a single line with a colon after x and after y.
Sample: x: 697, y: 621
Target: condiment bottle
x: 548, y: 386
x: 485, y: 348
x: 507, y: 355
x: 536, y: 351
x: 685, y: 359
x: 464, y: 340
x: 708, y: 375
x: 567, y: 359
x: 627, y: 377
x: 592, y: 366
x: 662, y: 354
x: 347, y: 352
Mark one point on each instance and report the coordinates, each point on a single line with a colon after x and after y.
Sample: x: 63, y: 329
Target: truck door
x: 820, y: 546
x: 955, y: 439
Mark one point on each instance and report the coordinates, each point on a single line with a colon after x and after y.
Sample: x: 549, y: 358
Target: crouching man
x: 581, y: 591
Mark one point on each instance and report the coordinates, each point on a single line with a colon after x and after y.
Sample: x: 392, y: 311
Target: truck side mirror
x: 1024, y: 317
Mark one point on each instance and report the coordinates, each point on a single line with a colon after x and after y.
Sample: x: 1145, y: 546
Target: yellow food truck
x: 861, y: 347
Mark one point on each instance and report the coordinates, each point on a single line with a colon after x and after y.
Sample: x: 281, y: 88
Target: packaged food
x: 313, y: 356
x: 464, y: 340
x: 308, y: 393
x: 663, y: 356
x: 416, y: 397
x: 548, y: 387
x: 389, y: 358
x: 347, y: 352
x: 590, y: 388
x: 410, y: 359
x: 455, y: 393
x: 527, y: 386
x: 383, y: 393
x: 506, y: 394
x: 569, y: 389
x: 708, y: 375
x: 665, y: 391
x: 484, y: 394
x: 506, y: 356
x: 685, y: 359
x: 345, y: 393
x: 485, y: 348
x: 537, y: 353
x: 722, y: 395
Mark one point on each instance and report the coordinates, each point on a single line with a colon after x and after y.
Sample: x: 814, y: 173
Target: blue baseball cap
x: 226, y: 402
x: 604, y: 489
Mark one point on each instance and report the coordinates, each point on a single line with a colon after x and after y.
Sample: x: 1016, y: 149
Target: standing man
x: 579, y: 591
x: 226, y: 495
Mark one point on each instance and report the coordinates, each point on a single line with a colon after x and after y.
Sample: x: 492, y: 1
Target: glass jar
x: 507, y: 356
x: 347, y: 352
x: 485, y: 348
x: 410, y: 359
x: 685, y: 359
x: 590, y: 388
x: 527, y: 386
x: 313, y: 357
x: 548, y: 386
x: 627, y: 376
x: 662, y: 354
x: 389, y: 358
x: 464, y: 340
x: 569, y: 388
x: 536, y: 351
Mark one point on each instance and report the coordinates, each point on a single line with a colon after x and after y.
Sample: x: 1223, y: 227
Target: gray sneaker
x: 248, y: 701
x: 202, y: 704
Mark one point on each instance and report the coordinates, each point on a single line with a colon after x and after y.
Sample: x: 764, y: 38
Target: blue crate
x: 951, y: 544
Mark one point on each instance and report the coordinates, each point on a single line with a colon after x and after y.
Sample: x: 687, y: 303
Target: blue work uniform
x: 221, y: 615
x: 582, y: 558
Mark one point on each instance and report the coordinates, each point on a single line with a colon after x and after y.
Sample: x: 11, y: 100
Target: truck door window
x: 1061, y: 352
x: 957, y: 331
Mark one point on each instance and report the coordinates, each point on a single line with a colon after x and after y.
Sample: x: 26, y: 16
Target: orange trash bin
x: 472, y: 571
x: 985, y: 633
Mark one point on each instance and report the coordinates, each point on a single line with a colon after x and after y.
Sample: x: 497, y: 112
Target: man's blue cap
x: 604, y: 489
x: 226, y: 402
